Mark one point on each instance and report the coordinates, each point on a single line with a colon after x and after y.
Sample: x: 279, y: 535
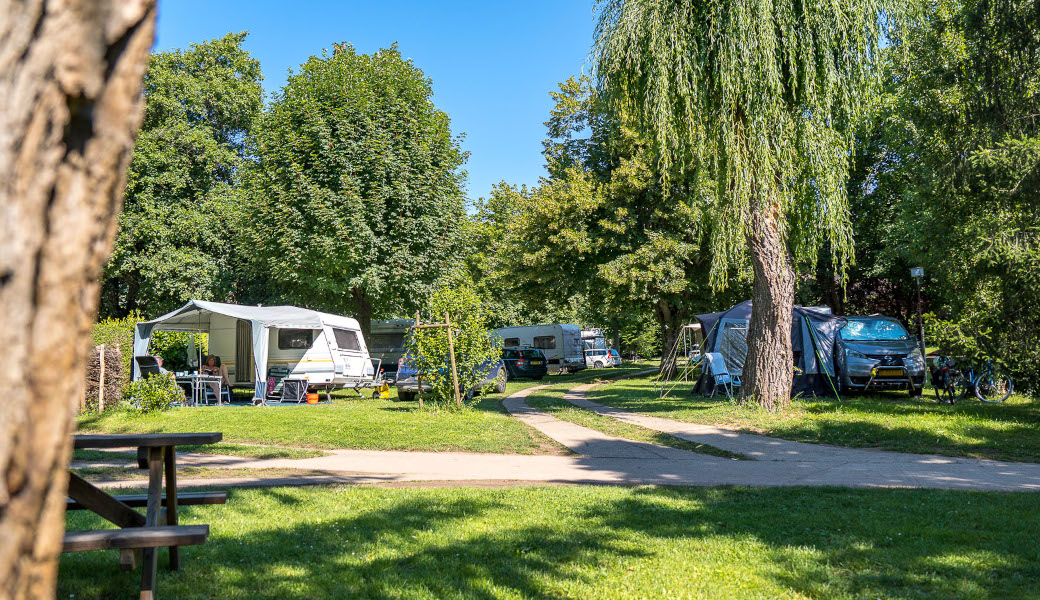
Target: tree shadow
x: 346, y: 542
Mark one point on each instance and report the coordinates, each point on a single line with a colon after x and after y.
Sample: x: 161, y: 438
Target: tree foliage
x: 476, y: 348
x: 953, y: 175
x: 175, y: 237
x: 356, y: 196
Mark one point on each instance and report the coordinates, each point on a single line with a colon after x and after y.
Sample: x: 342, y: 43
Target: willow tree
x: 758, y: 100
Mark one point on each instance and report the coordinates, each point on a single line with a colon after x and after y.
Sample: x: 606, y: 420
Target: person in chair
x: 212, y: 366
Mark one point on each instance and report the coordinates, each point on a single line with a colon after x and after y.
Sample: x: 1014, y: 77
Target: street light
x: 917, y: 273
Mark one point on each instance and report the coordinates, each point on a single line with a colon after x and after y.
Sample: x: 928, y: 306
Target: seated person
x: 158, y: 363
x: 212, y: 366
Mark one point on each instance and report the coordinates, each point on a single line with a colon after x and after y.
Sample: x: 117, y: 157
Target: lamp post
x: 917, y: 273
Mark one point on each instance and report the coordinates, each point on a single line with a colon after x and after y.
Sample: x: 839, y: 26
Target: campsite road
x: 604, y: 459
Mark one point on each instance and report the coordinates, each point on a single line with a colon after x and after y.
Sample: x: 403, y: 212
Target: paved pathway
x: 605, y: 459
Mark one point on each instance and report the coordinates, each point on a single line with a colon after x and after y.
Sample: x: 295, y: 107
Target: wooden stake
x: 101, y: 380
x: 451, y: 354
x: 418, y: 376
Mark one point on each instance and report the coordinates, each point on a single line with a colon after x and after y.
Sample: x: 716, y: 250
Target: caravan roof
x: 196, y: 312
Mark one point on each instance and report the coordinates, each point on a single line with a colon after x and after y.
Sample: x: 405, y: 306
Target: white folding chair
x: 719, y: 373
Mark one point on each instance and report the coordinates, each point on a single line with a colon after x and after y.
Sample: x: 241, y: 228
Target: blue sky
x: 492, y: 63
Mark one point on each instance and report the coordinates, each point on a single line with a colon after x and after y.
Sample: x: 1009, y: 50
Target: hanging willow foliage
x: 755, y: 99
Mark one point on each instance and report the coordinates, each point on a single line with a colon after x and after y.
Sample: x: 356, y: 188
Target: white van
x: 562, y: 344
x: 602, y: 358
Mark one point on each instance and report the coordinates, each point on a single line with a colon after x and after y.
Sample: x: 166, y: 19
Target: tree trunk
x: 364, y: 312
x: 70, y: 104
x: 666, y: 318
x: 768, y: 372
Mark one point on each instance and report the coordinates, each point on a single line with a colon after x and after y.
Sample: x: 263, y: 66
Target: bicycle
x: 952, y: 385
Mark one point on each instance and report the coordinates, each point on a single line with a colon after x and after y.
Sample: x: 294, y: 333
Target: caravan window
x: 295, y: 339
x: 347, y: 339
x: 511, y: 342
x: 545, y: 342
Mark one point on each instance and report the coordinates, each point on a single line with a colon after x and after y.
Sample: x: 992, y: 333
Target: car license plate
x: 536, y: 362
x: 890, y: 372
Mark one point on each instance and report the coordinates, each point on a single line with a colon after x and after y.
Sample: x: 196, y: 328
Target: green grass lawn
x: 590, y: 543
x: 893, y: 421
x: 352, y: 422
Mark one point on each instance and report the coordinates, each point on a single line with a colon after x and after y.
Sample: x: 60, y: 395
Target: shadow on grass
x: 605, y: 543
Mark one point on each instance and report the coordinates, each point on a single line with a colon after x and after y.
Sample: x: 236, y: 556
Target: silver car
x: 877, y: 353
x: 495, y: 376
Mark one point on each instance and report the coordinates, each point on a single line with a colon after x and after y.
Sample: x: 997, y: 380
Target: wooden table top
x: 138, y: 440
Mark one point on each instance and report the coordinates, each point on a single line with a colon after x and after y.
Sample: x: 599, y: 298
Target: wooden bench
x: 135, y: 538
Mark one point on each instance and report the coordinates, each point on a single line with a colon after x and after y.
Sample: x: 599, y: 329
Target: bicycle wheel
x: 993, y: 387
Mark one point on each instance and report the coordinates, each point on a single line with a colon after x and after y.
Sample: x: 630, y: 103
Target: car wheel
x: 501, y: 387
x: 406, y: 396
x: 597, y: 365
x: 915, y: 392
x: 539, y: 378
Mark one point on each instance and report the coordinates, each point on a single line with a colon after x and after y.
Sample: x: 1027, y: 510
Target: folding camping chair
x: 720, y: 374
x: 147, y: 365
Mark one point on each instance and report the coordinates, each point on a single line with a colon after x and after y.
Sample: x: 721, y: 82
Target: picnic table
x: 198, y: 384
x: 141, y: 534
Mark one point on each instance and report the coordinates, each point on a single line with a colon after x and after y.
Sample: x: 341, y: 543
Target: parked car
x: 524, y: 363
x: 877, y: 353
x: 408, y: 383
x: 603, y: 358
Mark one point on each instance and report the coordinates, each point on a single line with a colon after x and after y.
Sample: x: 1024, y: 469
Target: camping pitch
x: 259, y: 342
x: 813, y: 338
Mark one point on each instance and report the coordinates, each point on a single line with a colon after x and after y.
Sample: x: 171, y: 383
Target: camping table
x: 198, y: 383
x: 158, y: 527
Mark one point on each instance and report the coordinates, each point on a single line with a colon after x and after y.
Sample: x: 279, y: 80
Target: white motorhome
x: 594, y: 339
x: 260, y: 343
x: 562, y: 344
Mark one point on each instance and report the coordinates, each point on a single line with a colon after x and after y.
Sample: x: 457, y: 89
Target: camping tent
x: 813, y: 338
x: 243, y: 328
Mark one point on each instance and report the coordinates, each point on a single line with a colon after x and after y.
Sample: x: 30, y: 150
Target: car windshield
x: 873, y: 330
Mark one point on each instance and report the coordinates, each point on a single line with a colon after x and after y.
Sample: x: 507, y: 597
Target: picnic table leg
x: 171, y: 501
x: 151, y: 519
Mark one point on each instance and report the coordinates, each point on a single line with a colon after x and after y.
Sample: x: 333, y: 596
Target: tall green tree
x: 176, y: 238
x: 357, y: 193
x: 954, y: 174
x: 759, y: 99
x: 601, y: 225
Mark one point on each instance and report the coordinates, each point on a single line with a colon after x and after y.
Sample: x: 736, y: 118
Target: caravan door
x: 348, y: 347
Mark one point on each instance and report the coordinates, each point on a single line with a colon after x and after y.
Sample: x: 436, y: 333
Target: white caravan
x: 562, y: 344
x: 261, y: 344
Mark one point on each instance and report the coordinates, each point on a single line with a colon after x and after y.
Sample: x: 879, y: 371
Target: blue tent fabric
x: 813, y: 342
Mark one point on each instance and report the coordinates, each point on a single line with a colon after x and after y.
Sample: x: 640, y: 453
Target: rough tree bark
x: 768, y: 372
x: 666, y: 318
x: 70, y: 104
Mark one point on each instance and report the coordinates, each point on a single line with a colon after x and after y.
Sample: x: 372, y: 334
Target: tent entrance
x: 244, y: 365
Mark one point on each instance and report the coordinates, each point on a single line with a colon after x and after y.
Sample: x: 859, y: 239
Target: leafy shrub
x: 474, y: 344
x: 173, y: 347
x: 155, y: 392
x: 119, y: 334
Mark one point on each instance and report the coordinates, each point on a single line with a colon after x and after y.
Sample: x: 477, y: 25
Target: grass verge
x: 590, y: 542
x: 1007, y: 431
x: 351, y: 422
x: 110, y: 473
x: 249, y: 451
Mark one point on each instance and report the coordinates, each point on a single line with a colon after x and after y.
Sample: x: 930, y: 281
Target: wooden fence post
x: 451, y: 354
x: 101, y: 380
x: 418, y: 376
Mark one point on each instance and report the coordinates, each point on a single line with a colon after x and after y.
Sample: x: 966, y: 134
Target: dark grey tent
x: 813, y: 339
